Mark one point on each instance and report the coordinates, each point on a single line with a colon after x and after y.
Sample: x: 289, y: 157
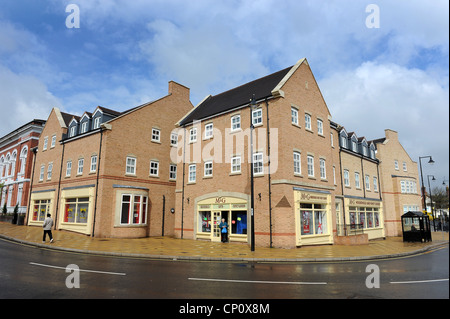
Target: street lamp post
x: 431, y: 200
x: 252, y: 198
x: 422, y: 188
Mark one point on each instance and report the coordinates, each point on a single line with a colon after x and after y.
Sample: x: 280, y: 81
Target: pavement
x: 169, y: 248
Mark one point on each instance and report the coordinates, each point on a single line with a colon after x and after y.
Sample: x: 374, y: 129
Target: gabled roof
x: 67, y: 118
x: 74, y: 118
x: 87, y: 114
x: 107, y: 111
x: 239, y: 96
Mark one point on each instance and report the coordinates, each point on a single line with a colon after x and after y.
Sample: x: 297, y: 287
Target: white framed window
x: 319, y: 127
x: 235, y: 123
x: 294, y: 115
x: 68, y: 168
x: 173, y: 139
x: 53, y: 141
x: 41, y: 174
x: 297, y: 163
x: 310, y: 162
x: 192, y: 173
x: 193, y: 135
x: 396, y: 165
x: 257, y: 117
x: 130, y: 165
x: 49, y: 171
x: 408, y: 187
x: 332, y: 139
x: 357, y: 181
x: 367, y: 182
x: 405, y: 169
x: 323, y: 172
x: 344, y: 141
x: 258, y: 167
x: 236, y: 164
x: 156, y: 135
x: 93, y: 163
x: 172, y: 171
x: 307, y: 121
x: 154, y: 168
x: 133, y: 210
x: 45, y: 143
x: 84, y: 127
x: 354, y: 146
x: 72, y: 131
x: 80, y: 166
x: 375, y: 184
x: 208, y: 169
x: 76, y: 210
x: 334, y: 175
x: 96, y: 123
x: 209, y: 130
x: 346, y: 178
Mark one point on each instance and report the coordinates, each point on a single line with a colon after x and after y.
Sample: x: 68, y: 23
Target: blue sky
x: 125, y: 52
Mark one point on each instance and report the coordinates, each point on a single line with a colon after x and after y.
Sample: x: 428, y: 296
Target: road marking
x: 417, y: 281
x: 85, y: 270
x: 260, y: 282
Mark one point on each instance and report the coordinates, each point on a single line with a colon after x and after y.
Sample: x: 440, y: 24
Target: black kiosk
x: 416, y: 227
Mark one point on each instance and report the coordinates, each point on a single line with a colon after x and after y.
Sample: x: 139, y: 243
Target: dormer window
x: 354, y: 145
x: 72, y: 131
x: 96, y: 123
x: 84, y: 127
x: 372, y: 152
x: 343, y: 141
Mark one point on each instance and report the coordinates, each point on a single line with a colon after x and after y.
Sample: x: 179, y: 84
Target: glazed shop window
x: 40, y: 209
x: 239, y: 223
x: 76, y: 210
x: 133, y: 210
x: 313, y: 219
x: 365, y: 217
x: 204, y: 222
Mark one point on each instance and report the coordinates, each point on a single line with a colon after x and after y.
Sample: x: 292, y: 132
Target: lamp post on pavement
x: 431, y: 200
x: 422, y: 188
x: 252, y: 199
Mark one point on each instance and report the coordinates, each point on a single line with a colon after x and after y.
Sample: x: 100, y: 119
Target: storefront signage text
x: 363, y: 203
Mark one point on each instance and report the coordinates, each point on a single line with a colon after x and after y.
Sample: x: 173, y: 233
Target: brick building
x: 16, y: 164
x: 400, y: 181
x: 167, y: 168
x: 108, y: 173
x: 294, y: 191
x: 359, y: 205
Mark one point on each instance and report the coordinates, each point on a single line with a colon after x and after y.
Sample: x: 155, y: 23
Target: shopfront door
x: 217, y: 216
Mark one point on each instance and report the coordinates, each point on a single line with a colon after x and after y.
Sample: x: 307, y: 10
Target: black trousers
x: 224, y: 237
x: 49, y: 232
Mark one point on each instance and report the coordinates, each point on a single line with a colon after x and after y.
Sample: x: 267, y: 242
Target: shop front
x: 313, y: 223
x: 211, y: 211
x: 365, y: 215
x: 41, y: 204
x: 77, y: 209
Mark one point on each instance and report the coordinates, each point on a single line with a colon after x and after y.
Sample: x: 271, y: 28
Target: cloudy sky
x: 124, y: 52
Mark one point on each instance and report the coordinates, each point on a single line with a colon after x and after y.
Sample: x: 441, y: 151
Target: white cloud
x: 374, y: 97
x: 23, y: 98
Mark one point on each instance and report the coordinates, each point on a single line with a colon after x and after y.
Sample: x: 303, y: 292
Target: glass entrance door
x: 216, y: 230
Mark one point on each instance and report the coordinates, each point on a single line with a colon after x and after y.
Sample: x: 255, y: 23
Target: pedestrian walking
x: 48, y: 224
x: 223, y: 230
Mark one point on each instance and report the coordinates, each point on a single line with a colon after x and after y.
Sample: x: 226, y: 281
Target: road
x: 30, y: 272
